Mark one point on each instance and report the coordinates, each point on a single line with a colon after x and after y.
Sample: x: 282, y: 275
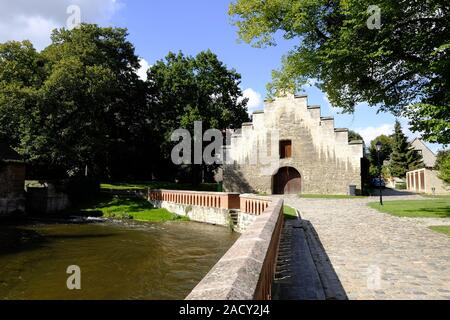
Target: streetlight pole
x: 379, y: 145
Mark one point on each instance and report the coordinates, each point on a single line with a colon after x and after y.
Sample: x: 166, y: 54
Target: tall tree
x: 386, y: 149
x: 403, y: 158
x: 89, y: 105
x: 21, y: 75
x: 188, y: 89
x: 353, y: 135
x: 385, y: 153
x: 443, y: 165
x: 403, y: 66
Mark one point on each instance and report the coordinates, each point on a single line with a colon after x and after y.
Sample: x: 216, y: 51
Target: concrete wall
x: 215, y: 216
x: 12, y: 185
x: 322, y: 155
x: 46, y: 200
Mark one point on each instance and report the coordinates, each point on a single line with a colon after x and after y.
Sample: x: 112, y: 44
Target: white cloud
x: 255, y: 99
x: 370, y: 133
x: 142, y: 72
x: 34, y: 21
x: 333, y: 109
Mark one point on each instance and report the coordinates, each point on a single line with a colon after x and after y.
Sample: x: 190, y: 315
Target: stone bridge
x: 247, y: 270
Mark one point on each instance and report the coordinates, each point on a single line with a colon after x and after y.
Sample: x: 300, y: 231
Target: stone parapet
x: 247, y: 270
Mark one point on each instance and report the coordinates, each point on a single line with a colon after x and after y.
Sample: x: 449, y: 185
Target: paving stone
x: 376, y: 255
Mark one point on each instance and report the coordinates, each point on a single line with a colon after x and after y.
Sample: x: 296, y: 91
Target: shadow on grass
x: 442, y: 212
x: 415, y: 209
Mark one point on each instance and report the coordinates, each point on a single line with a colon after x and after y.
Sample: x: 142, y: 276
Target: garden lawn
x: 129, y: 208
x: 436, y: 208
x: 290, y: 213
x: 442, y: 229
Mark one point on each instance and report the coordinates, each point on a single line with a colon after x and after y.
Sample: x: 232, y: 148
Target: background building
x: 426, y: 180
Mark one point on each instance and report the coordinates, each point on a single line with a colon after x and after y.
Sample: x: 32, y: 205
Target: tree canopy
x: 80, y: 103
x: 404, y: 157
x: 402, y: 67
x: 443, y: 165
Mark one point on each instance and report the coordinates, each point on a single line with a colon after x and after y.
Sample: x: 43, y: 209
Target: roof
x: 8, y: 154
x: 423, y: 144
x: 429, y: 157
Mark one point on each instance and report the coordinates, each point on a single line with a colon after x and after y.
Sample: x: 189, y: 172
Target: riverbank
x: 127, y: 208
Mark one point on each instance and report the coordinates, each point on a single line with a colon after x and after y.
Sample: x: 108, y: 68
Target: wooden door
x: 287, y: 181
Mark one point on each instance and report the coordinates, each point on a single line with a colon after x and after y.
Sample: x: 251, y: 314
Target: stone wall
x: 215, y: 216
x: 46, y: 200
x: 12, y: 185
x: 247, y: 270
x: 326, y: 161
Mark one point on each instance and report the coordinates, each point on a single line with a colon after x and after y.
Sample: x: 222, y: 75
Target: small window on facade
x: 285, y: 149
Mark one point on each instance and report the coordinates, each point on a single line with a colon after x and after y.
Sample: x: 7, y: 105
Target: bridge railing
x: 254, y: 204
x: 247, y: 203
x: 247, y: 270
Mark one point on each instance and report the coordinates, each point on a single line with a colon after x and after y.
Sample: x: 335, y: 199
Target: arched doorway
x: 287, y: 181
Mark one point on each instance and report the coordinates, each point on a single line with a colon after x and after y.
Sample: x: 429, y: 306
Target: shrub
x: 400, y: 186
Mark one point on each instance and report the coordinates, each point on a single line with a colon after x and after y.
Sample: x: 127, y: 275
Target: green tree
x: 21, y: 74
x: 403, y: 158
x: 443, y: 165
x: 385, y: 153
x: 77, y: 103
x: 189, y: 89
x: 353, y: 136
x: 403, y: 67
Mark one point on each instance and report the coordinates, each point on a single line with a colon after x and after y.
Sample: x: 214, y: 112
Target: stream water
x: 117, y: 260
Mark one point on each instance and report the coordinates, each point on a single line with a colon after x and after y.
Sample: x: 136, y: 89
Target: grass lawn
x: 329, y: 196
x: 158, y: 185
x: 435, y: 197
x: 436, y: 208
x: 442, y: 229
x: 290, y: 213
x: 127, y: 208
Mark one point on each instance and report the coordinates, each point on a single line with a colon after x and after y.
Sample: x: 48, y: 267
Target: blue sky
x: 159, y: 26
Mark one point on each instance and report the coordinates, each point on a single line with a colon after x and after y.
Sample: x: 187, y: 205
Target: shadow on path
x: 304, y: 270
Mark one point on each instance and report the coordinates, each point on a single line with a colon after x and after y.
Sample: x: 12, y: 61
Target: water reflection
x: 133, y: 261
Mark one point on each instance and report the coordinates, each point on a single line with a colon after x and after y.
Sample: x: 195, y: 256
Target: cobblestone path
x: 376, y: 255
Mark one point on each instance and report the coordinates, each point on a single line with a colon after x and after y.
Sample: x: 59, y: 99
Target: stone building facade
x: 290, y: 148
x: 12, y: 182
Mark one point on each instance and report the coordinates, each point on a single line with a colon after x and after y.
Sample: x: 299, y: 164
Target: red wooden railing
x: 192, y: 198
x: 254, y: 204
